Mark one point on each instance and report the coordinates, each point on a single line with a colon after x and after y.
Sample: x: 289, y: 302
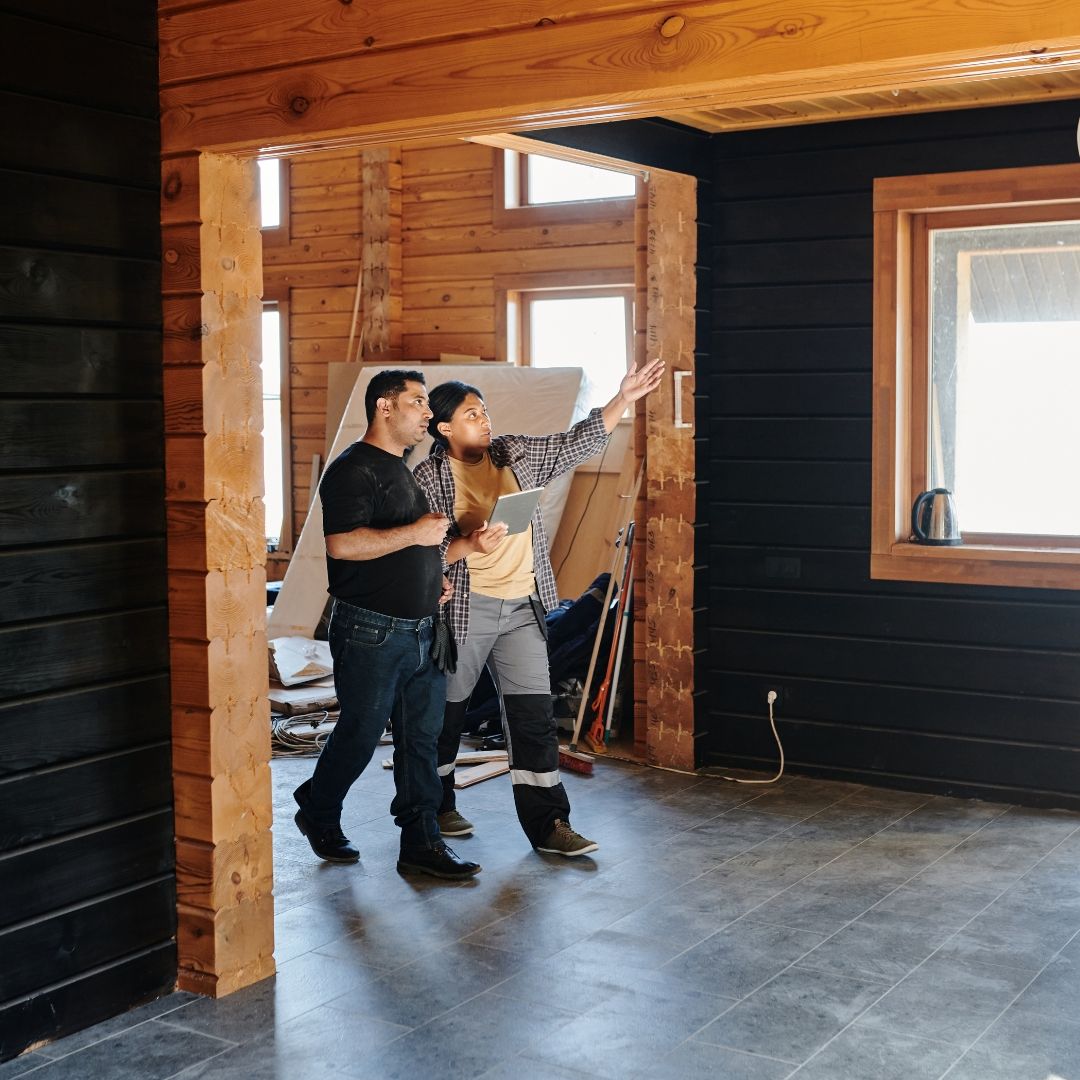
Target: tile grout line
x: 780, y: 892
x: 199, y: 1064
x: 964, y: 1049
x: 857, y: 917
x: 1027, y: 985
x: 799, y: 881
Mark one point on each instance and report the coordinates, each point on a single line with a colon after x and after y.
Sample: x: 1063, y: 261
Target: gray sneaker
x: 453, y: 824
x: 562, y: 840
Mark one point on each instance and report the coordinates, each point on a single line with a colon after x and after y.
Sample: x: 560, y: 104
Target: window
x: 550, y: 180
x: 977, y: 371
x: 274, y: 200
x: 591, y: 329
x: 536, y: 189
x: 276, y: 442
x: 545, y: 323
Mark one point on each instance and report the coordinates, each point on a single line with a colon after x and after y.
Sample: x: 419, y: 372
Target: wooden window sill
x: 980, y: 564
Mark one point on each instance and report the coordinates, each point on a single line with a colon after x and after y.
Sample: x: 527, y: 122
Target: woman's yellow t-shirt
x: 507, y: 573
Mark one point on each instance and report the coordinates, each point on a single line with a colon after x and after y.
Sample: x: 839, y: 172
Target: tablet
x: 516, y: 510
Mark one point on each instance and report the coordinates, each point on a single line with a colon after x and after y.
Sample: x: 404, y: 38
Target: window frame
x: 527, y: 297
x: 280, y: 235
x: 510, y: 331
x: 278, y: 297
x: 518, y: 213
x: 906, y: 210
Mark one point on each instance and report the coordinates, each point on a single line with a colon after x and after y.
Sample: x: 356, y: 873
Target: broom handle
x: 599, y: 703
x: 628, y: 590
x: 631, y: 499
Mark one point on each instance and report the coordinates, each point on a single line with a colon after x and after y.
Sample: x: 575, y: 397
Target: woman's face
x: 469, y: 429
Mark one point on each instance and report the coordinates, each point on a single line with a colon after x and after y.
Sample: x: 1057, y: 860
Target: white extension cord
x: 772, y: 723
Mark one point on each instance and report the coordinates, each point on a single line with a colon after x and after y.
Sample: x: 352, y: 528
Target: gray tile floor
x: 810, y: 930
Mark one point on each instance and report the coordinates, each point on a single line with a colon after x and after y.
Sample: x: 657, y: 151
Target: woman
x: 503, y: 585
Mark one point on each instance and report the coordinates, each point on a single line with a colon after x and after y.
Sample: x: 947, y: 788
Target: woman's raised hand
x: 636, y: 384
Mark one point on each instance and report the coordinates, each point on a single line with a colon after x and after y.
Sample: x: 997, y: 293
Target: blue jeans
x: 383, y: 671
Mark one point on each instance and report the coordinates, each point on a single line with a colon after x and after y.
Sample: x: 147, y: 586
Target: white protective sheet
x: 521, y: 400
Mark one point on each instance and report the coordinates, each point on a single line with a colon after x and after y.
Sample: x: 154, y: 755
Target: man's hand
x: 430, y: 530
x: 636, y: 384
x: 447, y: 590
x: 488, y: 537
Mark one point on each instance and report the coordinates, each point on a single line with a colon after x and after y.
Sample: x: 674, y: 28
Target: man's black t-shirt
x: 368, y: 487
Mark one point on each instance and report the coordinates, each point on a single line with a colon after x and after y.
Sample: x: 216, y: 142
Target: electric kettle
x: 933, y: 518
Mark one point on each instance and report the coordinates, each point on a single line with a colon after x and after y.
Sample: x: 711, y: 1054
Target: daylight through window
x: 1005, y: 375
x: 976, y: 375
x: 273, y: 459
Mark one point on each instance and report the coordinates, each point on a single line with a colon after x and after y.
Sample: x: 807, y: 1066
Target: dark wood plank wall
x: 87, y: 897
x: 943, y: 688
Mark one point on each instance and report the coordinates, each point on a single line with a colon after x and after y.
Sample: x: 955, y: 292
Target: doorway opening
x: 464, y: 314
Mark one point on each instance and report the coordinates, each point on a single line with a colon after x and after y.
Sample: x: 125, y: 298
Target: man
x: 385, y: 574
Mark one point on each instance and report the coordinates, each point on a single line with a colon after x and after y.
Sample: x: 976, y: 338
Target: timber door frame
x: 212, y: 300
x: 400, y: 76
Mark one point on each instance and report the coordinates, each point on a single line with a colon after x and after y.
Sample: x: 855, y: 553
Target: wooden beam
x: 217, y: 580
x: 616, y: 66
x: 380, y: 254
x: 670, y: 473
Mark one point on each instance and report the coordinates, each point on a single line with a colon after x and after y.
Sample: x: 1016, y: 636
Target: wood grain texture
x: 612, y: 67
x: 380, y: 320
x: 326, y: 223
x: 311, y: 30
x: 217, y: 580
x: 670, y: 474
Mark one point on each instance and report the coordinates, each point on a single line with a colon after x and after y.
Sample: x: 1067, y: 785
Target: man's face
x: 409, y: 414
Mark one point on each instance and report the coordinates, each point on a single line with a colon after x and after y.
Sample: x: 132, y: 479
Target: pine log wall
x: 87, y: 894
x: 962, y: 689
x: 316, y: 272
x: 452, y: 253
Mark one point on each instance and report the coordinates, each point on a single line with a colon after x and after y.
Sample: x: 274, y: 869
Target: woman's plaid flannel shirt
x: 535, y: 461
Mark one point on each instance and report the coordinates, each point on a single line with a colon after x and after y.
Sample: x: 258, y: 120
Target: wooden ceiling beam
x: 614, y: 66
x: 242, y: 34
